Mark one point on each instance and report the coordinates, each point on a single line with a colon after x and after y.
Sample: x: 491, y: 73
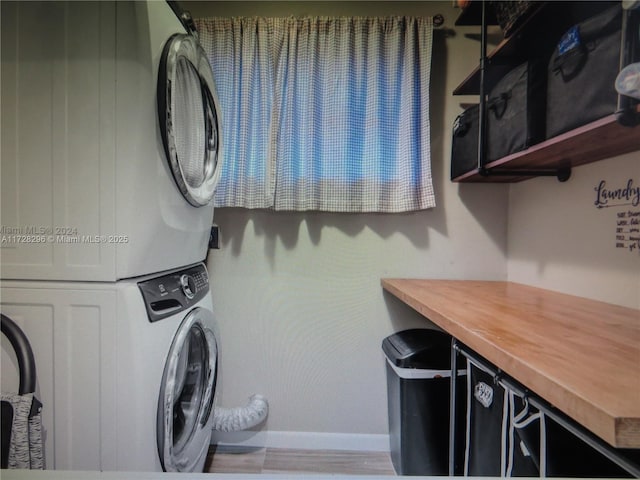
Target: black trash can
x: 418, y: 392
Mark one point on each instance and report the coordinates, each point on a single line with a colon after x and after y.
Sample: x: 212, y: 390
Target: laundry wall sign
x: 624, y: 200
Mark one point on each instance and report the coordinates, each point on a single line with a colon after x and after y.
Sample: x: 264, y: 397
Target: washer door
x: 189, y: 117
x: 187, y: 393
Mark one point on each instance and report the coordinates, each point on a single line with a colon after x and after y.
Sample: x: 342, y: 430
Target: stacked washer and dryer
x: 110, y: 158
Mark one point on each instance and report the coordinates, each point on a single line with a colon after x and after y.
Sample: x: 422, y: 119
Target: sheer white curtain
x: 344, y: 122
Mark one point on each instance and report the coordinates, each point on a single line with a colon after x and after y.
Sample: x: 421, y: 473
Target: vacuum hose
x: 241, y: 418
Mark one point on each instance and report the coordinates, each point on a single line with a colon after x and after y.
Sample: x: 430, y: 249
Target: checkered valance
x: 323, y: 113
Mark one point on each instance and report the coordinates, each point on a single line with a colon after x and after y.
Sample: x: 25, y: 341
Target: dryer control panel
x: 174, y: 292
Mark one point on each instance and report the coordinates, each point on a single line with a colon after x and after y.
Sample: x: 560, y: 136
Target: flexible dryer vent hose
x: 241, y: 418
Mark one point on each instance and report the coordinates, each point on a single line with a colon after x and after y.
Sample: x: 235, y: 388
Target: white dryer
x: 126, y: 371
x: 110, y: 148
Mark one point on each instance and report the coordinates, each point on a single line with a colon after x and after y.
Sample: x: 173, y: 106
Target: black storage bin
x: 503, y: 431
x: 523, y: 438
x: 571, y: 457
x: 516, y: 110
x: 515, y: 118
x: 464, y: 145
x: 418, y: 391
x: 582, y: 73
x: 487, y: 415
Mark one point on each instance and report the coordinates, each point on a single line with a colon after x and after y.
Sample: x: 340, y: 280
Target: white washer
x: 110, y: 141
x: 126, y: 371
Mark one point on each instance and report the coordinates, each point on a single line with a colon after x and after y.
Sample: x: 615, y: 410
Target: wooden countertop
x: 580, y: 355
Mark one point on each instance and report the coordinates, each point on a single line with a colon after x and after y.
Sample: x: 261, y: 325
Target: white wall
x: 297, y: 295
x: 559, y: 239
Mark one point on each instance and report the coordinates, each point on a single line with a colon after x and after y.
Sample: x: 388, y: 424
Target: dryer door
x: 189, y: 117
x: 187, y: 394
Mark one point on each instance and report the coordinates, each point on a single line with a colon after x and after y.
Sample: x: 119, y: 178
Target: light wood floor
x: 225, y: 459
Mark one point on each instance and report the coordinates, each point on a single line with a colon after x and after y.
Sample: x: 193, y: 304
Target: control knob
x: 188, y: 285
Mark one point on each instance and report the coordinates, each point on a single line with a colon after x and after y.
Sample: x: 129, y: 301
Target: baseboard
x: 304, y: 440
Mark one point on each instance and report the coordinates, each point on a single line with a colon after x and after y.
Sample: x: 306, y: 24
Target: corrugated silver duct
x: 241, y: 418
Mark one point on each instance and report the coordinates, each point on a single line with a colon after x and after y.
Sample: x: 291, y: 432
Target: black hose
x: 26, y: 361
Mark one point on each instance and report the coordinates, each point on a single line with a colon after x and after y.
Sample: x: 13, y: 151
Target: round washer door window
x: 187, y: 394
x: 189, y: 117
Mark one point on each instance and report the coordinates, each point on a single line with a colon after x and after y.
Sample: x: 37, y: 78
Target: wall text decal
x: 626, y: 196
x: 627, y: 200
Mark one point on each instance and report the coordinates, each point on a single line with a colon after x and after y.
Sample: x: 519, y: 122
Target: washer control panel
x: 174, y: 292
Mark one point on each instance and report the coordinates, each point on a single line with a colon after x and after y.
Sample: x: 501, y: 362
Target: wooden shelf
x: 595, y: 141
x: 580, y: 355
x: 508, y: 53
x: 552, y: 18
x: 601, y: 139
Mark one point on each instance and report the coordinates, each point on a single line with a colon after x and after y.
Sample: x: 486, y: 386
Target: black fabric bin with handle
x: 487, y: 416
x: 571, y: 457
x: 418, y: 391
x: 464, y: 144
x: 516, y: 110
x: 582, y: 73
x: 503, y: 429
x: 515, y: 118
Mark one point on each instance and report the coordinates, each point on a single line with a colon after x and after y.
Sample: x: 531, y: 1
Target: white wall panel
x: 72, y: 335
x: 57, y: 107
